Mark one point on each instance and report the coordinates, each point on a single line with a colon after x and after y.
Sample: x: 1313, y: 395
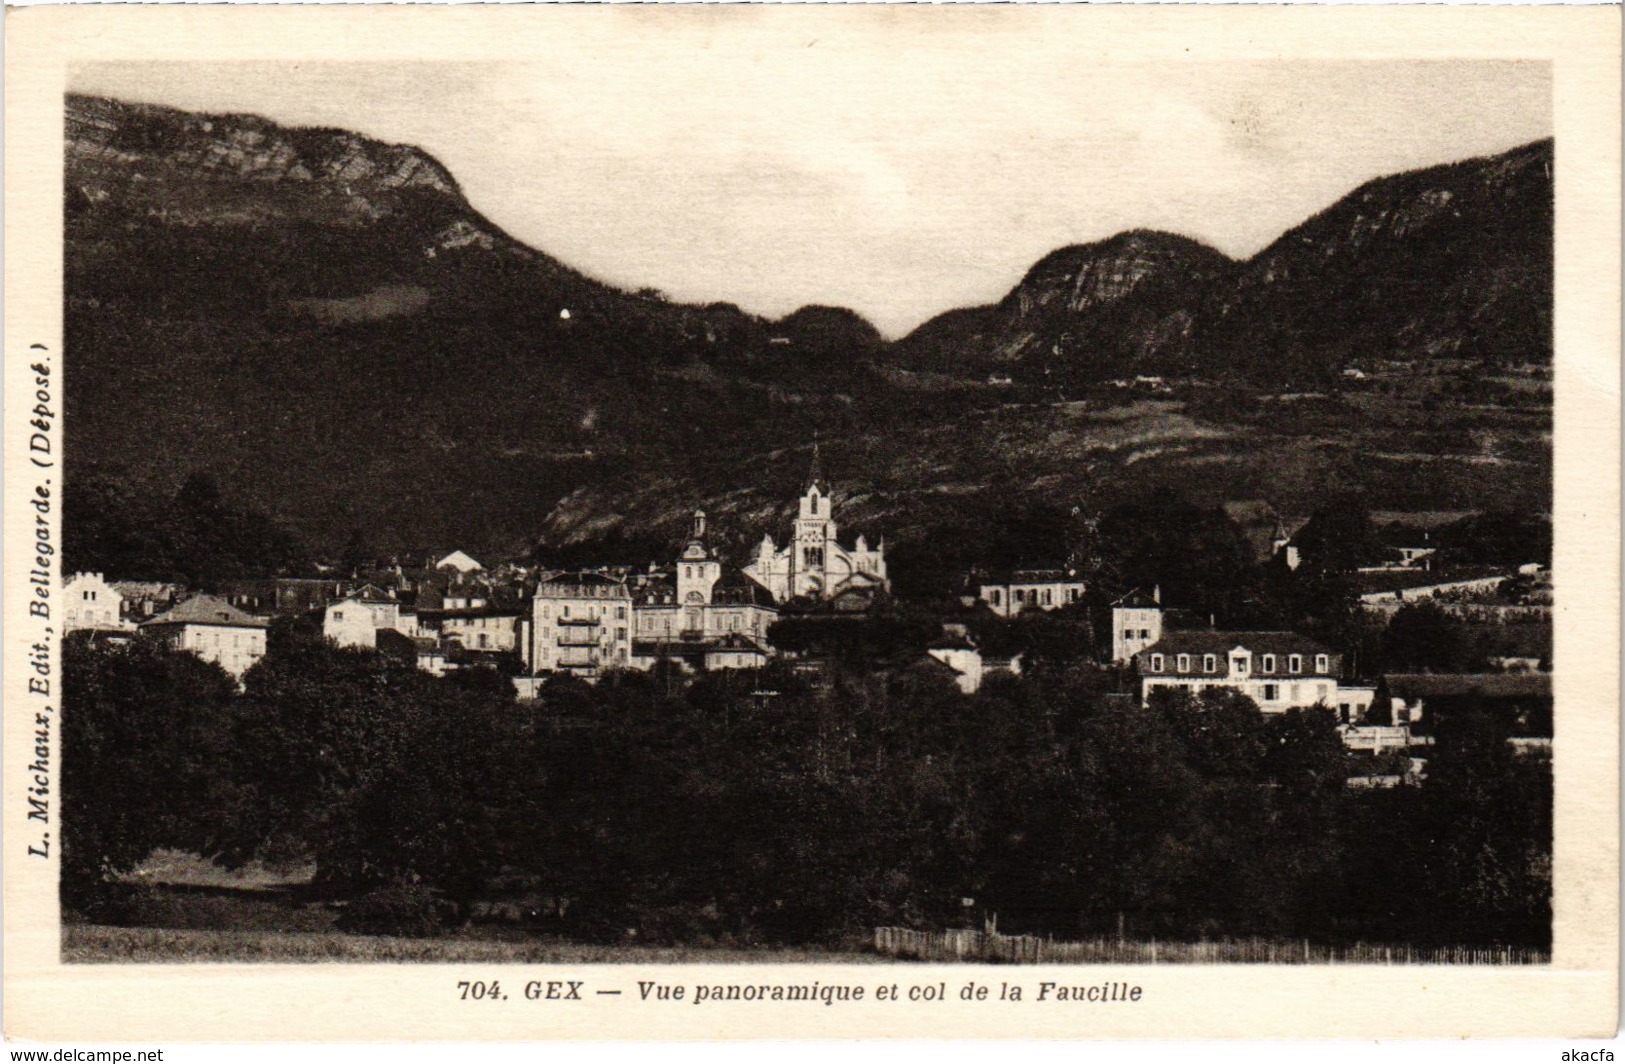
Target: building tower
x: 698, y: 570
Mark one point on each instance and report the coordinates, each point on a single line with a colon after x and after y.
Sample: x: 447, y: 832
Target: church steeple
x: 697, y: 547
x: 815, y: 472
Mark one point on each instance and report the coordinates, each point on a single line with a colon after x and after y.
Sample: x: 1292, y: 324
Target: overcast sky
x: 898, y: 182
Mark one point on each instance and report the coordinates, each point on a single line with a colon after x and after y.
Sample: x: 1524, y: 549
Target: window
x: 1145, y: 633
x: 1322, y: 691
x: 1269, y: 663
x: 1072, y: 594
x: 1184, y: 662
x: 1272, y: 692
x: 564, y: 612
x: 1295, y: 663
x: 1156, y: 663
x: 1323, y: 663
x: 1402, y: 716
x: 1238, y: 664
x: 688, y: 571
x: 620, y: 613
x: 620, y: 633
x: 1047, y: 601
x: 1210, y: 663
x: 995, y: 596
x: 338, y: 615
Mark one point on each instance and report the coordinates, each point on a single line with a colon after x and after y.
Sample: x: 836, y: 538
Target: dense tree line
x: 196, y: 536
x: 783, y: 807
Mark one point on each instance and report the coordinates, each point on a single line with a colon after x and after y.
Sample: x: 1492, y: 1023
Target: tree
x: 1426, y: 637
x: 1199, y: 556
x: 1223, y: 731
x: 1490, y: 816
x: 146, y: 740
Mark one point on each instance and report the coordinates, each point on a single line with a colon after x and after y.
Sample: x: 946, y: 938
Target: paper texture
x: 1575, y: 995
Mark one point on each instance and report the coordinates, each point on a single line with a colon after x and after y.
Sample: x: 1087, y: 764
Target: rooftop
x: 207, y: 609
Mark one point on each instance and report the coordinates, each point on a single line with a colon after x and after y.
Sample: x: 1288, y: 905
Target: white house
x: 482, y: 629
x: 356, y: 620
x: 961, y: 655
x: 1009, y: 593
x: 91, y: 602
x: 1277, y: 670
x: 214, y: 630
x: 1136, y: 624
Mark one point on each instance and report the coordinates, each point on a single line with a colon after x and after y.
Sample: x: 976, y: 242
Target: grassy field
x: 96, y: 944
x: 188, y: 910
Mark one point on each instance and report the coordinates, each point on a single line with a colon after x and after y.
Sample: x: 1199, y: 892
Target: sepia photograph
x: 708, y: 498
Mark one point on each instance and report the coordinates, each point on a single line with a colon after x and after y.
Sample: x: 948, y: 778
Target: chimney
x: 1156, y: 594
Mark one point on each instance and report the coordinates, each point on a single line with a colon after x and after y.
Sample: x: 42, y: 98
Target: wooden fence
x: 992, y: 947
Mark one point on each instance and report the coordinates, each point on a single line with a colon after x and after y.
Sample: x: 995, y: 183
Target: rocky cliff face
x: 1451, y: 261
x: 140, y: 154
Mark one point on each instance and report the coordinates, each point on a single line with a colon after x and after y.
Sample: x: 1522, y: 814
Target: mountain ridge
x: 355, y: 348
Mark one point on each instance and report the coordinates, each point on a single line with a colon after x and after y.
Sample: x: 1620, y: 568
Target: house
x: 1136, y: 623
x: 955, y: 650
x: 414, y: 651
x: 459, y: 562
x: 1277, y: 670
x: 735, y: 651
x: 1283, y: 545
x: 1010, y: 592
x: 1525, y: 698
x: 482, y: 628
x: 1378, y: 739
x: 356, y: 620
x: 282, y: 596
x: 461, y: 596
x: 580, y: 623
x: 92, y: 603
x: 814, y: 564
x: 214, y: 630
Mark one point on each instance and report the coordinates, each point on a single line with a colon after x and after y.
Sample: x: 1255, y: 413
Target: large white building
x: 1277, y: 670
x: 699, y: 599
x: 814, y: 564
x: 214, y: 630
x: 580, y: 623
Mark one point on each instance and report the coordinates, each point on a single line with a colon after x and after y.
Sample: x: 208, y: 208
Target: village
x: 698, y: 613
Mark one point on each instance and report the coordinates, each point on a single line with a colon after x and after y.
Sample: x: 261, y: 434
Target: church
x: 814, y: 564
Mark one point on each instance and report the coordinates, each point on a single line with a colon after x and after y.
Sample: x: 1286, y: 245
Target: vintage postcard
x: 724, y: 522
